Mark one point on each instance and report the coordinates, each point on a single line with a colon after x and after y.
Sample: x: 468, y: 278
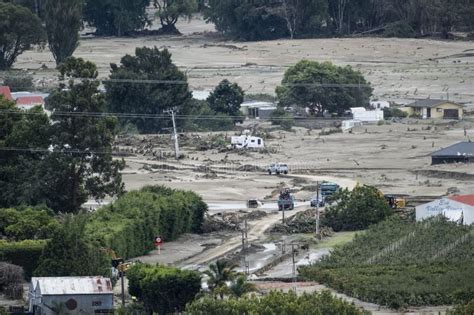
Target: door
x: 451, y: 114
x: 428, y: 113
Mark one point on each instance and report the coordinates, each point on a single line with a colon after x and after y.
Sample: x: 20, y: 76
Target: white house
x: 72, y: 295
x: 247, y: 142
x: 364, y: 115
x: 379, y: 104
x: 455, y: 208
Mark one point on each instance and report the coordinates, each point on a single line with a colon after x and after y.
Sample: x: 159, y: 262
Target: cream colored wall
x: 438, y: 111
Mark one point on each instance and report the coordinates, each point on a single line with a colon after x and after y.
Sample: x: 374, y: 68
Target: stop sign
x: 158, y: 241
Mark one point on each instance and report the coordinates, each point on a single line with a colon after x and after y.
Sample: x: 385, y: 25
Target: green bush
x: 163, y: 289
x: 27, y: 223
x: 357, y: 209
x: 25, y: 254
x: 19, y: 82
x: 401, y: 264
x: 276, y: 302
x: 282, y: 118
x: 399, y: 29
x: 467, y: 309
x: 130, y: 224
x: 394, y: 113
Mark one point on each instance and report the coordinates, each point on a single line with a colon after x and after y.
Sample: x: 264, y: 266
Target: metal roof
x: 5, y: 91
x: 430, y: 103
x: 456, y: 150
x: 72, y: 285
x: 466, y: 199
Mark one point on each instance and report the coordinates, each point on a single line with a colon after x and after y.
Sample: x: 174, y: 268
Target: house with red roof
x: 28, y: 102
x: 5, y: 91
x: 459, y: 208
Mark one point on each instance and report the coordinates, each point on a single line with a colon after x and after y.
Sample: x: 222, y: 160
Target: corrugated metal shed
x: 72, y: 285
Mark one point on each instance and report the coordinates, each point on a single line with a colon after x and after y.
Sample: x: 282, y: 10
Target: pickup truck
x: 278, y: 168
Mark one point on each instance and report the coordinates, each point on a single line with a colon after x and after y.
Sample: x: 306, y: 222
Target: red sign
x: 158, y: 241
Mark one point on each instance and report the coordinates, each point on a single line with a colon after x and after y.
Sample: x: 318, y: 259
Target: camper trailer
x: 247, y: 142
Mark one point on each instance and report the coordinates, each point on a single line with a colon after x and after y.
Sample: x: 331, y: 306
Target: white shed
x: 364, y: 115
x: 455, y: 208
x: 71, y: 295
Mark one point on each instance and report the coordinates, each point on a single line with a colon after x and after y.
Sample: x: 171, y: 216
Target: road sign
x: 158, y: 241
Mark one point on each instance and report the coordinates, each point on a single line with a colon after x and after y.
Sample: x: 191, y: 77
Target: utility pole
x: 283, y: 215
x: 293, y: 251
x: 317, y: 209
x: 175, y: 134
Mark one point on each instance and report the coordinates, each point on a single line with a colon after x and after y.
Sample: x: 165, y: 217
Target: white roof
x: 257, y: 104
x: 201, y: 95
x: 72, y: 285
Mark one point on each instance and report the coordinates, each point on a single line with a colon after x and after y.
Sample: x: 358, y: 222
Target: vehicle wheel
x: 280, y: 208
x: 278, y: 172
x: 292, y: 207
x: 285, y: 172
x: 269, y: 172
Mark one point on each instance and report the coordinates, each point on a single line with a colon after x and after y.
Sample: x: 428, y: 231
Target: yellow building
x: 434, y: 109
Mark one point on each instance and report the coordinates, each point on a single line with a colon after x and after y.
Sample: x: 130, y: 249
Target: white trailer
x: 247, y: 142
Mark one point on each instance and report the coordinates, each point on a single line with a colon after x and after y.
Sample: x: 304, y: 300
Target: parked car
x: 278, y: 168
x: 317, y: 202
x: 254, y: 203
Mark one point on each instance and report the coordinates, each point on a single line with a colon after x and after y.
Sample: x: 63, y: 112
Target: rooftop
x: 72, y: 285
x: 429, y: 103
x: 5, y: 91
x: 466, y: 199
x: 30, y: 100
x: 458, y: 149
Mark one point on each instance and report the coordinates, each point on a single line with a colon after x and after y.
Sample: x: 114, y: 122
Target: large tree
x: 170, y: 10
x: 116, y: 17
x: 63, y: 19
x: 20, y: 29
x: 147, y: 85
x: 323, y: 87
x: 227, y: 98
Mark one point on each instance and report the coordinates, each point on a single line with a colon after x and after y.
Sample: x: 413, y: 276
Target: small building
x: 364, y: 115
x: 5, y: 91
x: 257, y: 109
x: 28, y: 102
x: 201, y: 95
x: 462, y: 152
x: 455, y: 208
x: 348, y: 125
x: 73, y: 295
x: 434, y: 109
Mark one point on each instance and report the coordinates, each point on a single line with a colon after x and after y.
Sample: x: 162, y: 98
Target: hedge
x: 25, y: 254
x: 130, y: 224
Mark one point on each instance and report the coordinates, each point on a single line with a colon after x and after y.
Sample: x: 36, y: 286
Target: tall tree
x: 159, y: 86
x: 63, y: 19
x: 219, y: 273
x: 323, y: 87
x: 170, y: 10
x: 116, y: 17
x: 20, y: 29
x: 227, y: 98
x: 82, y: 144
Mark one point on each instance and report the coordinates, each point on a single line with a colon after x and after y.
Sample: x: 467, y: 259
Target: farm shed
x: 462, y: 152
x: 434, y: 109
x: 257, y: 110
x: 455, y: 208
x: 73, y: 295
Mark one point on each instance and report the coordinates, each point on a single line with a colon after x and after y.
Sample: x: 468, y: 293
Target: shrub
x: 467, y: 309
x: 27, y: 223
x: 399, y: 29
x: 394, y: 113
x: 19, y: 82
x: 163, y: 289
x: 11, y: 278
x: 25, y: 254
x: 282, y: 118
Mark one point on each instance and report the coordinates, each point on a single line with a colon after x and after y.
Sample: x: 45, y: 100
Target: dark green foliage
x: 162, y: 289
x: 148, y: 98
x: 20, y: 29
x: 27, y: 223
x: 357, y: 209
x: 219, y: 273
x: 71, y: 253
x: 19, y: 81
x: 226, y: 99
x: 63, y: 19
x: 276, y: 302
x: 399, y: 29
x: 394, y: 113
x: 398, y: 264
x: 170, y: 10
x: 25, y: 254
x: 200, y: 117
x: 323, y: 87
x: 116, y: 17
x: 283, y: 118
x: 130, y: 224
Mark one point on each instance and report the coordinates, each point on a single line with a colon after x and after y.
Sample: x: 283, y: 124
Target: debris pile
x: 303, y: 222
x: 231, y: 221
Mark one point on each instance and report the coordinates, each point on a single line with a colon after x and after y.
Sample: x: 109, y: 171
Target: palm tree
x: 240, y: 286
x: 219, y: 273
